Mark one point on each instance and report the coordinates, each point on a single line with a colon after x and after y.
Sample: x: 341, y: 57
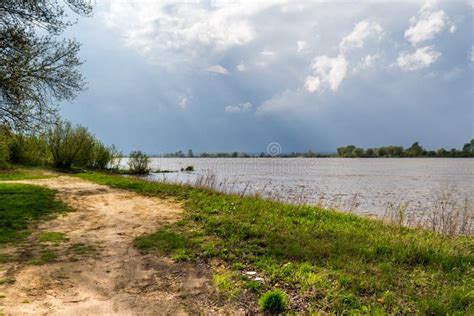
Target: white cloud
x: 452, y: 28
x: 183, y: 103
x: 183, y: 29
x: 312, y: 83
x: 471, y: 54
x: 421, y: 58
x: 301, y: 45
x: 429, y: 23
x: 218, y: 69
x: 327, y: 71
x: 366, y: 62
x: 268, y: 53
x: 243, y: 107
x: 362, y: 30
x: 241, y: 67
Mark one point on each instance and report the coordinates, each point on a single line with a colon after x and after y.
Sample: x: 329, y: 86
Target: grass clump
x: 226, y: 283
x: 274, y: 302
x: 20, y: 205
x: 46, y: 256
x: 167, y: 242
x: 52, y: 237
x: 333, y: 262
x: 82, y: 249
x: 7, y: 280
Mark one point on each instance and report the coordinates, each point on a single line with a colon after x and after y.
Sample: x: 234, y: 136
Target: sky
x: 230, y: 75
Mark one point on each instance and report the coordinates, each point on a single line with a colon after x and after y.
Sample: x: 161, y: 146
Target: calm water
x: 361, y: 185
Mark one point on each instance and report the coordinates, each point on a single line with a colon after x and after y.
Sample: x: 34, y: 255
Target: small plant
x: 46, y: 256
x: 52, y: 237
x: 189, y: 168
x: 274, y: 301
x: 226, y: 284
x: 138, y: 163
x: 238, y: 266
x: 181, y: 255
x: 254, y: 286
x: 82, y: 249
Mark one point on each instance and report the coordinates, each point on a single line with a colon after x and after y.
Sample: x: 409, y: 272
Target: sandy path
x: 114, y: 278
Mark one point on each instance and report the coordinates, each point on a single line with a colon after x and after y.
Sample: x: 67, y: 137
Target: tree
x: 36, y: 71
x: 346, y: 151
x: 415, y: 150
x: 139, y: 163
x: 441, y: 152
x: 468, y: 148
x: 70, y: 145
x: 381, y: 151
x: 358, y: 152
x: 190, y: 153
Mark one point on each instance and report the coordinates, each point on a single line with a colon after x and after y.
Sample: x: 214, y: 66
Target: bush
x: 70, y: 145
x: 138, y: 163
x: 28, y: 150
x: 105, y: 157
x: 273, y: 302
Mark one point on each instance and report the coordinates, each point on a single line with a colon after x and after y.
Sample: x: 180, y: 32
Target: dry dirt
x: 109, y: 276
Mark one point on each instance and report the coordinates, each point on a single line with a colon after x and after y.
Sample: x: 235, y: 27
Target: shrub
x: 105, y: 157
x: 70, y: 145
x: 138, y: 163
x: 273, y: 302
x: 28, y: 150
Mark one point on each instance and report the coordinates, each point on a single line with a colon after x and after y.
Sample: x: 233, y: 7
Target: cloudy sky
x: 237, y: 75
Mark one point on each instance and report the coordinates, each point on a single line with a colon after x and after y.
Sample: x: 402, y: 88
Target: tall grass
x: 449, y: 212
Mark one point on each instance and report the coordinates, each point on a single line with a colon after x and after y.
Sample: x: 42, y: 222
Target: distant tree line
x: 415, y: 150
x: 351, y: 151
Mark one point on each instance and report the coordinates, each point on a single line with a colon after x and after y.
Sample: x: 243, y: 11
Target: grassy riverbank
x: 322, y: 259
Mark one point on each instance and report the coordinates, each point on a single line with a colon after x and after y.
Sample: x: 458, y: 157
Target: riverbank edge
x: 306, y: 251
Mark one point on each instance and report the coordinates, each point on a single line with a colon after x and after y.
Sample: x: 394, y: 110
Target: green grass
x: 52, y: 237
x: 45, y: 256
x: 23, y: 173
x: 226, y: 283
x: 333, y: 261
x: 22, y: 204
x: 82, y: 249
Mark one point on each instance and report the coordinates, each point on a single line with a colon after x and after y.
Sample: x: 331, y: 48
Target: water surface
x: 364, y: 186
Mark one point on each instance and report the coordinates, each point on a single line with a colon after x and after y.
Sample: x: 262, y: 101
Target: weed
x: 52, y: 237
x: 46, y: 256
x: 254, y: 286
x: 7, y: 280
x: 274, y: 302
x: 238, y: 266
x: 225, y: 283
x: 82, y: 249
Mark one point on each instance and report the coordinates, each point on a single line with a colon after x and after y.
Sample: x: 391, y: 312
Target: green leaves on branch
x: 37, y: 71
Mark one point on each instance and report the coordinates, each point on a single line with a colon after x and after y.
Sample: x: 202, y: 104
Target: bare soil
x: 97, y: 271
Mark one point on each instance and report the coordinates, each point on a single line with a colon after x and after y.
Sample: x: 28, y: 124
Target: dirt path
x: 97, y: 270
